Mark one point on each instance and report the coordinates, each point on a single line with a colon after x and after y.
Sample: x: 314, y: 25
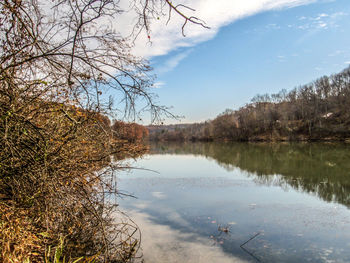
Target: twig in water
x: 250, y: 239
x: 245, y: 250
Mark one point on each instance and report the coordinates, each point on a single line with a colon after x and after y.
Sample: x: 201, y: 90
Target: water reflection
x: 322, y: 169
x: 161, y: 243
x: 275, y: 191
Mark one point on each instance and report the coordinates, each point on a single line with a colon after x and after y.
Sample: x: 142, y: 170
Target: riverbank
x: 56, y: 169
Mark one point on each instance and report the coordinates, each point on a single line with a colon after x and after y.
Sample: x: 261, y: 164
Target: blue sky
x: 271, y: 49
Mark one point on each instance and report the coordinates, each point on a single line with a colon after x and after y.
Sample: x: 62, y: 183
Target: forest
x: 316, y: 111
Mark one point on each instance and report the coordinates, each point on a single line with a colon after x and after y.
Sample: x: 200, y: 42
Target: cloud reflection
x: 161, y: 243
x: 159, y: 195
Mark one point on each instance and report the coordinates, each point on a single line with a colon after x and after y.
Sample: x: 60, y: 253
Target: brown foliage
x: 131, y: 132
x: 51, y: 170
x: 19, y: 239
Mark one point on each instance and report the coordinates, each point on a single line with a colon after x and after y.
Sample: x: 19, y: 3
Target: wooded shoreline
x: 318, y: 111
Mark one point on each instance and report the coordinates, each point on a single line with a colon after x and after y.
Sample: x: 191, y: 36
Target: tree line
x: 315, y: 111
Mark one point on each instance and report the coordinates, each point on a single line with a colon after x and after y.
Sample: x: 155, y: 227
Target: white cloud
x: 281, y: 58
x: 321, y: 21
x: 347, y: 62
x: 338, y: 14
x: 171, y: 63
x: 323, y: 15
x: 168, y: 37
x: 217, y: 13
x: 320, y: 16
x: 158, y: 84
x: 273, y: 26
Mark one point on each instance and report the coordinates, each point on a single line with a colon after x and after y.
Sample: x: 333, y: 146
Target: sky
x: 252, y: 47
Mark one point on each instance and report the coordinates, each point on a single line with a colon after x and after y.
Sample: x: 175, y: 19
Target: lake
x: 241, y: 202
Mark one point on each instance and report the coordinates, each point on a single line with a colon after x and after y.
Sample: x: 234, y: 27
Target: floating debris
x: 223, y: 229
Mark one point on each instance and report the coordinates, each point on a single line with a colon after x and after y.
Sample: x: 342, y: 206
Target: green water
x: 294, y: 198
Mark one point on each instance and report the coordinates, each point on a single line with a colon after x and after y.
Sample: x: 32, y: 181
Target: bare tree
x: 71, y: 48
x: 60, y: 60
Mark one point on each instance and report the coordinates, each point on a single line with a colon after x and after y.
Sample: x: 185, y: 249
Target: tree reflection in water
x: 322, y: 169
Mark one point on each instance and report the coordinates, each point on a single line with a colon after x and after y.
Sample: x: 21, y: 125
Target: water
x: 207, y: 199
